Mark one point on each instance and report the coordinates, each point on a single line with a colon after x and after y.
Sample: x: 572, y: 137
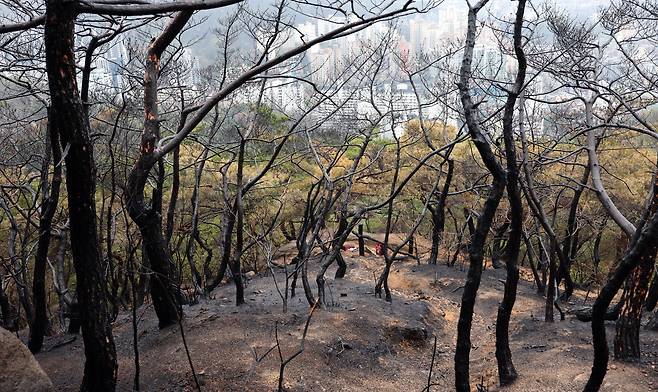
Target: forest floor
x: 359, y: 343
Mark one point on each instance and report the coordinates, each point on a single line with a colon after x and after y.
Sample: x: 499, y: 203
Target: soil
x: 358, y: 342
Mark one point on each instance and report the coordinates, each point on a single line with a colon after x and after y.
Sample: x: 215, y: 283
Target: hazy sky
x: 582, y: 8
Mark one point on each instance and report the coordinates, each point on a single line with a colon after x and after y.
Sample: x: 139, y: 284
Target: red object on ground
x: 379, y: 249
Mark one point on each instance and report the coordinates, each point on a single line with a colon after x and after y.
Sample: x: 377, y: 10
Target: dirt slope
x: 360, y: 343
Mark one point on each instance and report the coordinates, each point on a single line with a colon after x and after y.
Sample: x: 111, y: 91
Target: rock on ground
x: 19, y: 371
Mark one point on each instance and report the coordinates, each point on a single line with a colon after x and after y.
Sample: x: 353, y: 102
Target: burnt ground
x: 359, y: 342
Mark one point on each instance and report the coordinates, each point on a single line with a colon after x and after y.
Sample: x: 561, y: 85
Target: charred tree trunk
x: 652, y: 295
x: 388, y: 257
x: 552, y: 286
x: 570, y: 241
x: 226, y: 235
x: 115, y: 273
x: 175, y: 177
x: 194, y: 236
x: 50, y: 193
x: 173, y: 197
x: 68, y: 120
x: 541, y: 287
x: 236, y: 268
x: 627, y: 336
x: 342, y: 232
x: 8, y: 311
x: 498, y: 247
x: 227, y: 242
x: 643, y: 245
x: 362, y: 244
x: 478, y: 239
x: 506, y: 371
x: 438, y: 215
x: 148, y: 216
x: 642, y: 248
x: 436, y: 235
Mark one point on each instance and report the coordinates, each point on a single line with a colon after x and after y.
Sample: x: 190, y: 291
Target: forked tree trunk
x: 67, y: 119
x: 506, y: 371
x: 478, y: 239
x: 148, y: 214
x: 570, y: 241
x: 149, y: 221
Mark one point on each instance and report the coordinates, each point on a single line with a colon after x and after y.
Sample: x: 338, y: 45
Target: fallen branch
x: 585, y: 314
x: 285, y: 362
x: 64, y: 342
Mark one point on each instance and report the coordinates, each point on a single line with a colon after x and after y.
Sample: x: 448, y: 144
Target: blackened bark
x: 627, y: 332
x: 652, y: 295
x: 75, y: 318
x: 438, y: 215
x: 570, y: 241
x: 627, y: 336
x: 642, y: 247
x: 478, y: 239
x: 226, y: 235
x: 194, y: 236
x: 67, y: 119
x: 173, y: 198
x: 148, y: 216
x: 236, y: 268
x: 319, y: 201
x: 541, y: 288
x: 498, y: 248
x: 436, y: 236
x: 388, y: 257
x: 175, y: 179
x: 362, y: 244
x: 49, y: 206
x: 552, y: 287
x: 115, y: 273
x: 506, y: 371
x: 345, y: 227
x: 596, y: 252
x: 8, y: 311
x: 343, y: 230
x: 149, y: 221
x: 228, y: 222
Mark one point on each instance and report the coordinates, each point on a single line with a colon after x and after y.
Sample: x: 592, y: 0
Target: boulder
x: 412, y: 333
x: 19, y: 371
